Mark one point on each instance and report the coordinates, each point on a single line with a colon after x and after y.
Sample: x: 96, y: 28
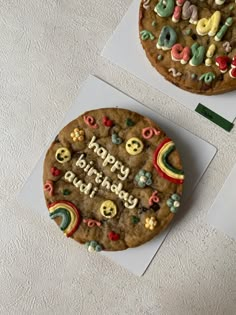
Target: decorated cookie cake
x: 112, y: 179
x: 191, y: 43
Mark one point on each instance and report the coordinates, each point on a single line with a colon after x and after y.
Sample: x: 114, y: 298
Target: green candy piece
x: 207, y: 77
x: 159, y: 57
x: 165, y: 8
x: 116, y: 139
x: 66, y: 192
x: 145, y: 35
x: 130, y: 122
x: 224, y: 28
x: 188, y: 31
x: 169, y: 203
x: 135, y: 219
x: 198, y: 53
x: 98, y: 248
x: 167, y: 38
x: 193, y: 76
x: 231, y: 7
x: 173, y: 209
x: 175, y: 197
x: 154, y: 23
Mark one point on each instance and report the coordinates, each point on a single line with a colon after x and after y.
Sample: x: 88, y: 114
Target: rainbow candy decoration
x: 163, y: 167
x: 69, y: 214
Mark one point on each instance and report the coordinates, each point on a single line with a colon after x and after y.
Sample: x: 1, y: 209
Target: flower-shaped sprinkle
x: 150, y: 223
x: 77, y: 135
x: 143, y: 178
x: 93, y: 246
x: 174, y: 203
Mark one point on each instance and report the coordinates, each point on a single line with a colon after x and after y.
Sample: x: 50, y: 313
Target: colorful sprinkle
x: 116, y: 139
x: 154, y: 23
x: 55, y: 171
x: 77, y: 135
x: 159, y: 57
x: 93, y: 246
x: 129, y: 122
x: 146, y: 4
x: 92, y: 223
x: 150, y: 223
x: 154, y: 198
x: 66, y: 192
x: 135, y: 220
x: 48, y: 187
x: 227, y: 47
x: 149, y: 132
x: 143, y: 178
x: 145, y: 35
x: 163, y: 167
x: 188, y: 31
x: 90, y: 121
x: 193, y: 76
x: 68, y: 212
x: 107, y: 122
x: 174, y: 203
x: 174, y: 72
x: 207, y: 77
x: 113, y: 236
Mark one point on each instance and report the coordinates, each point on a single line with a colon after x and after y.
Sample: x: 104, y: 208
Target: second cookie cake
x: 191, y: 43
x: 112, y: 179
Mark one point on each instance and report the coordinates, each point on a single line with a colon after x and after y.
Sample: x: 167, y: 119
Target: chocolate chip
x: 194, y: 36
x: 57, y: 139
x: 155, y: 207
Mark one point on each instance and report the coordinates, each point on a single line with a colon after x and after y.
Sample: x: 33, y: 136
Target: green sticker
x: 215, y: 118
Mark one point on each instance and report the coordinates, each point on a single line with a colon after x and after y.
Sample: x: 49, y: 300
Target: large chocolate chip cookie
x: 112, y: 179
x: 191, y: 43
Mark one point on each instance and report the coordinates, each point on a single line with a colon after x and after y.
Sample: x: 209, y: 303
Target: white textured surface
x: 47, y: 49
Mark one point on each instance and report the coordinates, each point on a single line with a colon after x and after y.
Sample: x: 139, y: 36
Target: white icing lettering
x: 102, y: 152
x: 106, y: 183
x: 81, y: 162
x: 69, y: 176
x: 77, y: 182
x: 125, y: 172
x: 93, y: 144
x: 110, y: 159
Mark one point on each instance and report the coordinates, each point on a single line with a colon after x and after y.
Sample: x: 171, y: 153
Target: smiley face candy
x: 108, y: 209
x: 63, y: 155
x: 134, y: 146
x: 104, y: 194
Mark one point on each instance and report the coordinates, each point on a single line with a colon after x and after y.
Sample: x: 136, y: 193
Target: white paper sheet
x: 222, y: 214
x: 124, y: 49
x: 196, y: 155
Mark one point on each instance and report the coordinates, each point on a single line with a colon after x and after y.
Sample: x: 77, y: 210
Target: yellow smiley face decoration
x: 63, y: 155
x: 108, y: 209
x: 134, y: 146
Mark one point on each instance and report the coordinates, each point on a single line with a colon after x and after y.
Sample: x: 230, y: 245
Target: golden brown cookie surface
x: 191, y: 43
x: 112, y: 179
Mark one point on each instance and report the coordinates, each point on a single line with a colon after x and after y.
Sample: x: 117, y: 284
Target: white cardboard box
x: 196, y: 155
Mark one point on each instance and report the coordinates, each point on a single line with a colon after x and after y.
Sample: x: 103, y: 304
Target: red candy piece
x: 55, y: 171
x: 113, y: 236
x: 232, y: 73
x: 223, y: 62
x: 107, y: 122
x: 233, y: 64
